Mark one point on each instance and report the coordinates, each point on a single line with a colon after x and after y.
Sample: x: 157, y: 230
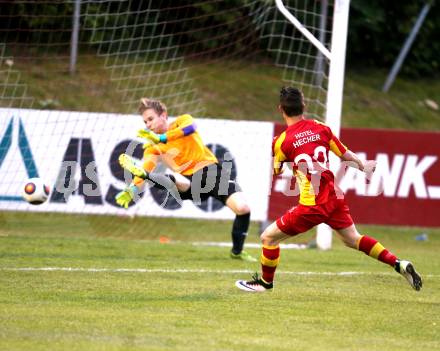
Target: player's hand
x: 147, y: 145
x: 124, y: 197
x: 370, y: 166
x: 151, y: 136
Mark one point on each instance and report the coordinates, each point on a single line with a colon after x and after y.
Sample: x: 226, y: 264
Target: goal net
x: 72, y: 73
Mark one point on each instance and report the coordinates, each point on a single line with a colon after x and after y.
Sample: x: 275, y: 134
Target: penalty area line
x: 183, y: 270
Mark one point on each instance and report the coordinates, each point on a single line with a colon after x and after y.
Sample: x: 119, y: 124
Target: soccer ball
x: 35, y: 191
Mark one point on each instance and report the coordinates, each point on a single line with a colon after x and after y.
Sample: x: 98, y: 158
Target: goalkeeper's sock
x: 270, y: 257
x: 162, y: 181
x: 374, y: 249
x: 239, y: 232
x: 165, y: 181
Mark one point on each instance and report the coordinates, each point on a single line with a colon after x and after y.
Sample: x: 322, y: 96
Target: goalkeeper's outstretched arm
x: 185, y: 126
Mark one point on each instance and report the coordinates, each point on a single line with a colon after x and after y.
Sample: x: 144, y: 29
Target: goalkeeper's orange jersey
x: 184, y: 152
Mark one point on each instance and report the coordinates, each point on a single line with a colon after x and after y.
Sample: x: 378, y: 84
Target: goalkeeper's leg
x: 173, y: 183
x: 240, y: 226
x: 130, y: 165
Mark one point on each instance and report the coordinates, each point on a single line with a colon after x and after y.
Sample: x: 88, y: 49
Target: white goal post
x: 336, y: 57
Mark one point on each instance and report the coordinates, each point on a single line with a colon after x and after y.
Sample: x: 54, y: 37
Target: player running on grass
x: 197, y: 173
x: 306, y: 145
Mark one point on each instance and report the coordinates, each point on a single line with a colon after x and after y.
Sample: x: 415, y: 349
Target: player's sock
x: 239, y: 232
x: 166, y: 181
x: 373, y: 248
x: 270, y: 257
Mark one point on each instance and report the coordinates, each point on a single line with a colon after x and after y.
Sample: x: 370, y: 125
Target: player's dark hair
x: 292, y: 101
x: 156, y: 105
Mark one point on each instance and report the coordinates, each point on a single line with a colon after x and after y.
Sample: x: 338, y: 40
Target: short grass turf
x: 128, y: 292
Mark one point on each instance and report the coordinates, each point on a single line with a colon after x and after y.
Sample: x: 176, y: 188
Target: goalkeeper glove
x: 152, y: 137
x: 124, y: 197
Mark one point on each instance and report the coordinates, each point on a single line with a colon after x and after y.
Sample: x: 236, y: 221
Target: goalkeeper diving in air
x: 197, y: 174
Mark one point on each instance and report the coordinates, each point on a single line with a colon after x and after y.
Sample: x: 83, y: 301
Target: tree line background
x: 377, y: 29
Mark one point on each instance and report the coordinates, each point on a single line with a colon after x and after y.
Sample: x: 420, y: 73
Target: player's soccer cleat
x: 255, y: 285
x: 129, y: 164
x: 244, y: 256
x: 407, y: 269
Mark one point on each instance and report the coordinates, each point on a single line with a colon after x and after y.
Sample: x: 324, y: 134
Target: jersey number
x: 311, y: 161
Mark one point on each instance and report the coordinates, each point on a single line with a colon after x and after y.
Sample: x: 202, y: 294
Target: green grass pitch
x: 125, y: 290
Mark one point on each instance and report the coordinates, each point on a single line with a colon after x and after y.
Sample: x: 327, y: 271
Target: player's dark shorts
x: 211, y: 181
x: 299, y: 219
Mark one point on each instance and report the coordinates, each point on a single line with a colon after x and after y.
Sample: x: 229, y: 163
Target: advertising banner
x: 76, y: 154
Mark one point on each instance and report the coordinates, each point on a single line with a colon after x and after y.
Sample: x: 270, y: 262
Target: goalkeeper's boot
x: 257, y: 284
x: 130, y: 165
x: 244, y: 256
x: 407, y: 269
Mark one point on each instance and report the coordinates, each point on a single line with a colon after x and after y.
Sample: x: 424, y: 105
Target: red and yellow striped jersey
x: 184, y: 152
x: 306, y: 145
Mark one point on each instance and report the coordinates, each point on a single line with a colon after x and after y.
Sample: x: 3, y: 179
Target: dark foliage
x: 377, y: 28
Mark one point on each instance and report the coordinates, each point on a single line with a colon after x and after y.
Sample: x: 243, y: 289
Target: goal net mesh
x: 211, y: 58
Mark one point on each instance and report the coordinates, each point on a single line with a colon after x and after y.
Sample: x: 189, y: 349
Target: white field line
x: 208, y: 271
x: 292, y: 246
x: 248, y: 245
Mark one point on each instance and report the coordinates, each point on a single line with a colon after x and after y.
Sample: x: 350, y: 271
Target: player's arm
x: 278, y: 165
x: 339, y: 149
x: 278, y: 155
x: 185, y: 126
x: 367, y: 166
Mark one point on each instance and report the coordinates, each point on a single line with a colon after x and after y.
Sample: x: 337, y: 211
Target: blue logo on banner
x: 25, y: 151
